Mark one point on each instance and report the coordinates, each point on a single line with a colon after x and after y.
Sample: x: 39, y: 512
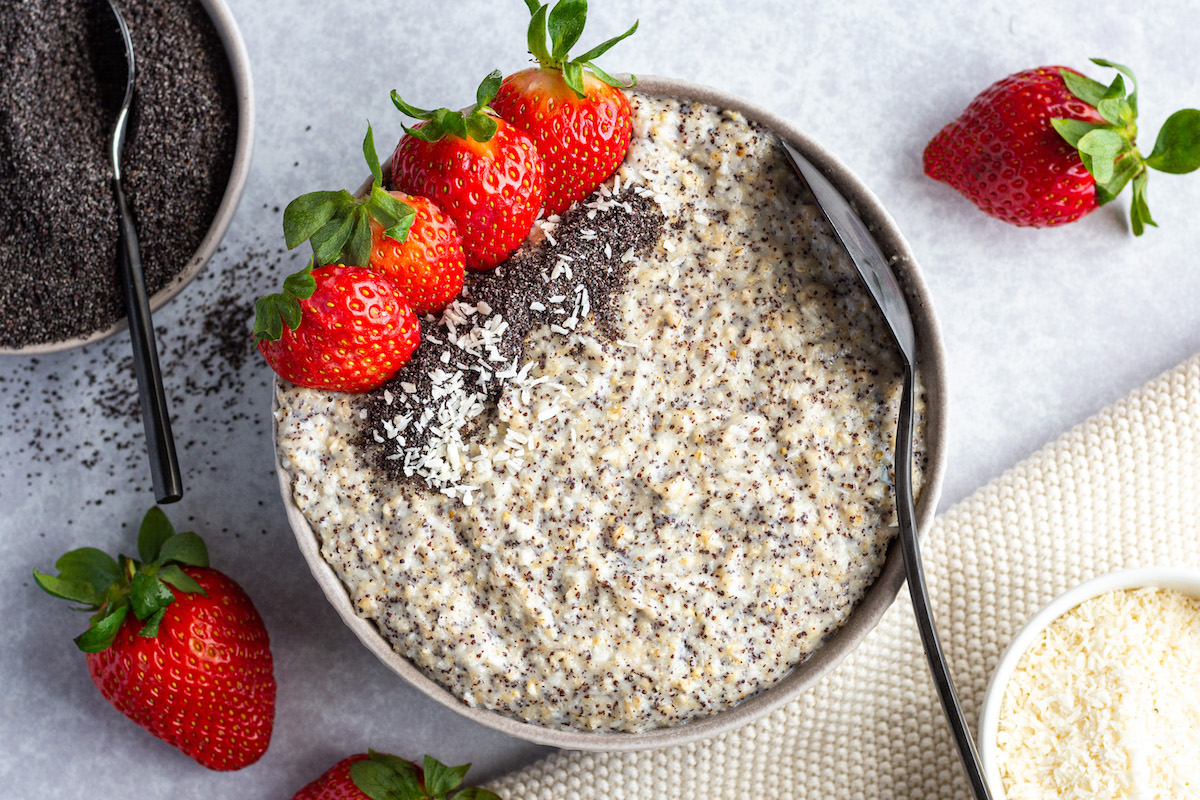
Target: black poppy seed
x: 510, y: 290
x: 87, y: 412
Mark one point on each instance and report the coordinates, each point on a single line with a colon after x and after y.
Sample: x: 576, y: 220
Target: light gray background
x: 1042, y: 328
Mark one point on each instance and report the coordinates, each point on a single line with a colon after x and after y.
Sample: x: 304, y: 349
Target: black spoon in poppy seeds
x: 117, y: 71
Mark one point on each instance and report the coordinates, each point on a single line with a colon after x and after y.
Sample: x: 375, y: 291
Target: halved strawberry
x: 407, y: 238
x: 484, y: 173
x: 346, y: 329
x: 574, y: 111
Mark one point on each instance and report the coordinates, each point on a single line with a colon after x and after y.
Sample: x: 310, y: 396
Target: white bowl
x: 239, y: 65
x: 931, y: 365
x: 1181, y: 579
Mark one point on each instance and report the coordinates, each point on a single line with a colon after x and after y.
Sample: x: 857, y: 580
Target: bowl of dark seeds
x: 185, y: 162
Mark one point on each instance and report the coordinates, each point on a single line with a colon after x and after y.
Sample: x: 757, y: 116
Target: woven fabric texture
x: 1117, y: 491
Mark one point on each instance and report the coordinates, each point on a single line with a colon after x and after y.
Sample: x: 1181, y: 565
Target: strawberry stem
x: 565, y: 23
x: 477, y: 123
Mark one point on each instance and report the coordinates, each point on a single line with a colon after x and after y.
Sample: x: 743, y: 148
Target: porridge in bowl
x: 638, y: 473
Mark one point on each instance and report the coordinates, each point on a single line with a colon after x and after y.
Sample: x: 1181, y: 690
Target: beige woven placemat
x: 1120, y: 490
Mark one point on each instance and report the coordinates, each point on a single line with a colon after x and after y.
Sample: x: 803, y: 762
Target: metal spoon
x: 872, y: 266
x: 117, y: 72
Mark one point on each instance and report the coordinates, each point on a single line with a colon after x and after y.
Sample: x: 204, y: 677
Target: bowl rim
x: 1183, y: 579
x: 931, y: 368
x: 239, y: 63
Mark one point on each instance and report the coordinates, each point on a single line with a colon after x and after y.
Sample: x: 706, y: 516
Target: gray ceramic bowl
x: 932, y: 373
x: 239, y: 62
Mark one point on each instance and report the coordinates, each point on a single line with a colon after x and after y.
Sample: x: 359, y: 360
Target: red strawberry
x: 378, y: 776
x: 427, y: 267
x: 409, y: 239
x: 1047, y: 146
x: 579, y: 119
x: 335, y: 783
x: 345, y: 329
x: 192, y: 662
x: 484, y: 173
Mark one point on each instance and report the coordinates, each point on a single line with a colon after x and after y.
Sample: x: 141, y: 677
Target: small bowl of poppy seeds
x: 185, y: 162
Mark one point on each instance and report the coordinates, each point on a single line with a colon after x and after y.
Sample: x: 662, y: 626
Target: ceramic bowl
x: 1182, y: 579
x: 865, y: 616
x: 239, y: 62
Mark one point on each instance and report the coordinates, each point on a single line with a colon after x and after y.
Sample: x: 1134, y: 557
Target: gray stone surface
x: 1042, y: 328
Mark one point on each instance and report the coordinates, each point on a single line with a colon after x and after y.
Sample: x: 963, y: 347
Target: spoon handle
x: 164, y: 464
x: 920, y: 595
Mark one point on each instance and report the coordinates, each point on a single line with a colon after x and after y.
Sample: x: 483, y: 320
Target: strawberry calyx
x: 338, y: 224
x: 386, y: 777
x: 273, y: 311
x: 565, y: 24
x: 113, y: 587
x: 477, y: 123
x: 1109, y: 150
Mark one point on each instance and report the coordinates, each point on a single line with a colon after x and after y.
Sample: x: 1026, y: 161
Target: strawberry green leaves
x: 1099, y: 150
x: 1109, y: 151
x: 440, y: 779
x: 564, y: 23
x: 273, y: 311
x: 1139, y: 211
x: 387, y: 777
x: 338, y: 224
x: 477, y: 123
x: 1178, y: 147
x: 114, y: 587
x: 103, y: 631
x: 536, y: 35
x: 84, y: 574
x: 153, y: 533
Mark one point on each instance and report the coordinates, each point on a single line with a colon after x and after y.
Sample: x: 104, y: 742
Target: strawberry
x: 408, y: 239
x: 427, y: 267
x: 378, y: 776
x: 579, y: 118
x: 345, y: 329
x: 486, y: 174
x: 175, y: 645
x: 335, y: 783
x: 1047, y: 146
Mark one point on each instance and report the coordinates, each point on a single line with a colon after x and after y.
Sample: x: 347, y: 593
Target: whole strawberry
x: 427, y: 266
x: 345, y: 329
x: 484, y: 173
x: 378, y: 776
x: 1047, y: 146
x: 176, y: 646
x: 576, y: 114
x: 335, y: 783
x: 408, y: 239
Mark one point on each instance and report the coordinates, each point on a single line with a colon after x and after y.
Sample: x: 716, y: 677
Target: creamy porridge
x: 640, y: 472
